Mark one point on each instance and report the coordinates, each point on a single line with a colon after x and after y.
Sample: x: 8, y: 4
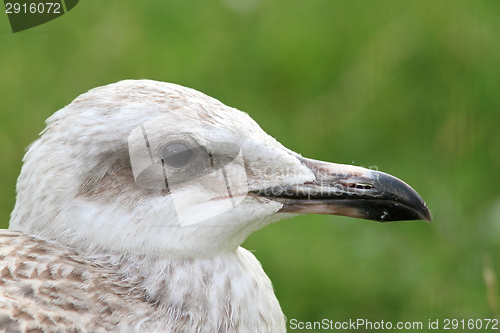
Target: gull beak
x: 350, y: 191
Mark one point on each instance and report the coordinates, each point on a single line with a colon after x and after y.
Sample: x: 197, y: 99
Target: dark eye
x: 177, y: 154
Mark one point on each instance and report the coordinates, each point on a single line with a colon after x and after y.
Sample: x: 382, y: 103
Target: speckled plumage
x: 50, y: 288
x: 45, y: 287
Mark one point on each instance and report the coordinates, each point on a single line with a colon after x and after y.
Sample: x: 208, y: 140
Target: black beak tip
x: 402, y: 202
x: 383, y: 211
x: 426, y: 214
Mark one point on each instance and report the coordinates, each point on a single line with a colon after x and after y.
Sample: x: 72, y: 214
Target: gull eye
x: 177, y: 154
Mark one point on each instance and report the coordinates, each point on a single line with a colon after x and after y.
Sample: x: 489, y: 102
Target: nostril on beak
x: 358, y: 186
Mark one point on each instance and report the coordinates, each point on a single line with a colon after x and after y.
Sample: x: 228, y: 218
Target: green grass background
x: 412, y: 87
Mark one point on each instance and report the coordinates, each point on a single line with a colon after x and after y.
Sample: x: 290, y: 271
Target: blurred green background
x: 411, y: 87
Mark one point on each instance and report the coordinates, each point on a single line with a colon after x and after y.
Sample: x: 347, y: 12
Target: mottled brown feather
x: 49, y: 288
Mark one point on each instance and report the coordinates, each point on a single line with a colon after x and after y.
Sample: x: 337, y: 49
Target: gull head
x: 145, y: 168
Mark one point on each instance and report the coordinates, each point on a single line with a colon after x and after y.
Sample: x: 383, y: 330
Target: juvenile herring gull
x: 133, y: 203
